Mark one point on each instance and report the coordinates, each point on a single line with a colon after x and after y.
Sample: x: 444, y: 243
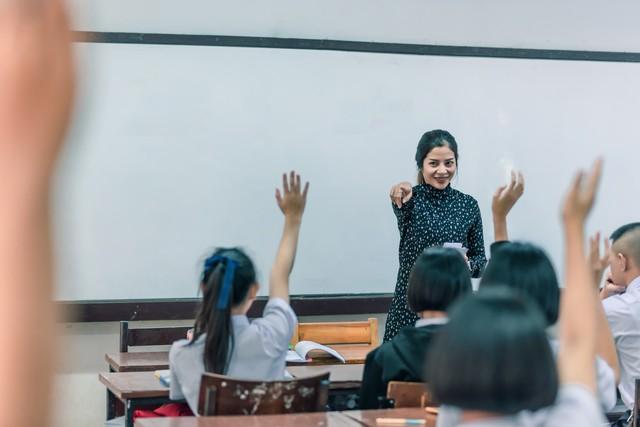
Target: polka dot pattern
x: 431, y: 218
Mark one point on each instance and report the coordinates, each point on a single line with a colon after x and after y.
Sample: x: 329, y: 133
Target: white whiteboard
x: 178, y: 149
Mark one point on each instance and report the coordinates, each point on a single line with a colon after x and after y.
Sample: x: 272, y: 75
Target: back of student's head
x: 226, y: 279
x: 493, y: 355
x: 525, y: 268
x: 438, y: 277
x: 626, y: 240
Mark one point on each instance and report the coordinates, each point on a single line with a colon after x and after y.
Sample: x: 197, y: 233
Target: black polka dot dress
x: 431, y: 218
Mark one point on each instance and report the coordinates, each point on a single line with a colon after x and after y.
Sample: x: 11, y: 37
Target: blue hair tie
x: 227, y: 281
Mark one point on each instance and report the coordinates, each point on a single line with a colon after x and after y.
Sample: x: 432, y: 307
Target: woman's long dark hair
x: 214, y: 317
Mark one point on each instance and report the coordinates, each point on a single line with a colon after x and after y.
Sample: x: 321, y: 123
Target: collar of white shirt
x: 634, y: 285
x: 431, y: 321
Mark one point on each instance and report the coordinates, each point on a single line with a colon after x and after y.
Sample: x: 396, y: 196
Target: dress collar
x: 435, y: 193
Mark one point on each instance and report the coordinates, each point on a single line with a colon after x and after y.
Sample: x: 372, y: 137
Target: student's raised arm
x: 578, y: 320
x: 503, y: 201
x: 36, y: 92
x: 292, y: 201
x: 605, y: 346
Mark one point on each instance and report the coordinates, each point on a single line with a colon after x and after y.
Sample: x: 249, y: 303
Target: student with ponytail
x: 224, y: 340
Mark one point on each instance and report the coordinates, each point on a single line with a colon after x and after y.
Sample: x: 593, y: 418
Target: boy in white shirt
x: 621, y: 301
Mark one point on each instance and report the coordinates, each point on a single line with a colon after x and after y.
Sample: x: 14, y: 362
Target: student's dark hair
x: 621, y: 231
x: 493, y: 355
x: 527, y: 269
x: 429, y: 141
x: 225, y: 281
x: 438, y: 277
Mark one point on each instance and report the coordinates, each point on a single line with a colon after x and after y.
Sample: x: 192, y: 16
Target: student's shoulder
x: 276, y: 316
x: 279, y: 306
x: 178, y: 347
x: 619, y: 305
x: 575, y: 405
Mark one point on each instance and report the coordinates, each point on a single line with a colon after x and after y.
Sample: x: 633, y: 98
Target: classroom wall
x: 571, y: 24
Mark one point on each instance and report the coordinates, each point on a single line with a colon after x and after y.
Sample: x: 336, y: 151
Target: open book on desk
x: 303, y: 348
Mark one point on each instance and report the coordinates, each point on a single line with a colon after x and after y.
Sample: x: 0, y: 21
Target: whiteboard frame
x: 305, y: 305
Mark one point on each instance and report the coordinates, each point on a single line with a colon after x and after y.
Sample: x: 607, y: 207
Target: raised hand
x: 583, y: 328
x: 506, y: 196
x: 611, y: 288
x: 581, y: 196
x: 36, y: 94
x: 597, y: 262
x: 36, y: 82
x: 293, y: 199
x: 401, y: 193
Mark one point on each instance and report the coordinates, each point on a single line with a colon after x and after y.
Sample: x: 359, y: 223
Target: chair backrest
x: 409, y: 395
x: 364, y: 332
x: 131, y: 337
x: 221, y: 395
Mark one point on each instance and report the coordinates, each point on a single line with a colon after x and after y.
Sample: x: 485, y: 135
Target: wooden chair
x: 132, y: 337
x: 409, y: 395
x: 327, y: 333
x: 221, y: 395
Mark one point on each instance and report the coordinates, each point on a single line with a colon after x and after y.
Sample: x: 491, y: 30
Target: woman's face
x: 439, y: 167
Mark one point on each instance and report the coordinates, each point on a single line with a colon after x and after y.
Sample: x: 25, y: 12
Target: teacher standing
x: 431, y: 214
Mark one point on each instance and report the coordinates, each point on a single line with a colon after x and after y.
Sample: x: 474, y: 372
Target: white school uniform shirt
x: 575, y: 406
x: 605, y: 379
x: 623, y: 314
x: 260, y: 349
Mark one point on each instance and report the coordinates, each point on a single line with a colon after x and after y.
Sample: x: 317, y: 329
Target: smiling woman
x: 432, y: 214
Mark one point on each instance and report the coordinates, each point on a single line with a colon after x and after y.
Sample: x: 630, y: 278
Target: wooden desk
x: 132, y: 385
x: 155, y: 360
x: 317, y: 419
x: 135, y: 390
x: 368, y: 417
x: 138, y: 361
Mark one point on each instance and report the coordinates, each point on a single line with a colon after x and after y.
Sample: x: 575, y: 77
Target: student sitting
x: 438, y: 278
x: 527, y: 269
x: 621, y: 303
x: 493, y: 362
x: 224, y: 340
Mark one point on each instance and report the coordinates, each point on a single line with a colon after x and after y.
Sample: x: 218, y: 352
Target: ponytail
x: 226, y: 278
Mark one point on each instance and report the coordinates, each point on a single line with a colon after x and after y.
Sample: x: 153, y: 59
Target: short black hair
x: 525, y: 268
x: 438, y: 277
x: 621, y: 231
x: 432, y: 139
x: 493, y: 355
